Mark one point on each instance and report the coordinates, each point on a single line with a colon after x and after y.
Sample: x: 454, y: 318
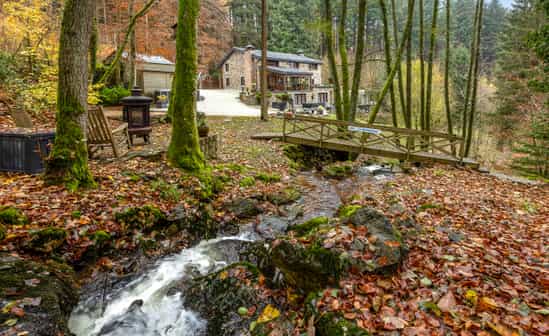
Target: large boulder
x: 324, y: 252
x: 244, y: 208
x: 35, y: 298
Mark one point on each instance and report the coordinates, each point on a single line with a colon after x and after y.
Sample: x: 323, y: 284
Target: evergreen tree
x: 246, y: 19
x: 494, y: 18
x: 517, y: 67
x: 534, y: 160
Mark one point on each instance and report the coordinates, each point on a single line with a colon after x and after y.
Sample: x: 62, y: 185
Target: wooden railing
x: 360, y: 137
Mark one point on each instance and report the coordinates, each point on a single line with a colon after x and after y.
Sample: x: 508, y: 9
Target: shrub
x: 112, y: 95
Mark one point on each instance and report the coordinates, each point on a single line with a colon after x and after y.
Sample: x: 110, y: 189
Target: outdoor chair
x: 100, y: 134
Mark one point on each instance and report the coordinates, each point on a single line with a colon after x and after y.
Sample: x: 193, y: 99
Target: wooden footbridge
x: 373, y: 139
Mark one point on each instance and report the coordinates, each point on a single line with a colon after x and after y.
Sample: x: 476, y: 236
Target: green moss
x: 144, y: 218
x: 47, y: 240
x: 12, y: 216
x: 268, y: 178
x: 428, y: 206
x: 348, y: 210
x: 338, y: 170
x: 305, y: 228
x: 76, y: 214
x: 331, y: 324
x: 3, y: 232
x: 210, y: 185
x: 101, y: 237
x: 286, y: 196
x: 247, y: 182
x: 184, y: 150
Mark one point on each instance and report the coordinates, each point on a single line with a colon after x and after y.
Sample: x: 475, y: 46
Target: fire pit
x: 137, y: 114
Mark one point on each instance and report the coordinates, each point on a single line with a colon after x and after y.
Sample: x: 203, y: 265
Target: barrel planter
x: 24, y: 151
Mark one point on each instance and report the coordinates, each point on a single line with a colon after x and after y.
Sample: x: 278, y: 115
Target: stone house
x: 296, y: 74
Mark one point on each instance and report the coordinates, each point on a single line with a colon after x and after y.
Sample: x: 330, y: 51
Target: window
x: 242, y: 81
x: 226, y: 67
x: 313, y: 66
x: 294, y: 65
x: 300, y: 99
x: 227, y: 82
x: 323, y: 97
x: 272, y: 63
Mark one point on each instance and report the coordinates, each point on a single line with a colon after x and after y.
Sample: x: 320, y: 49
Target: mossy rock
x: 12, y: 216
x: 307, y: 268
x: 307, y: 227
x: 286, y: 196
x: 218, y: 298
x: 47, y: 240
x: 145, y: 218
x: 338, y: 171
x: 244, y: 208
x: 247, y: 182
x: 331, y: 324
x: 199, y: 222
x: 348, y: 210
x: 3, y: 232
x: 45, y: 291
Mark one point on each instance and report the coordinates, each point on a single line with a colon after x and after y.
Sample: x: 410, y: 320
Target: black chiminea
x: 137, y: 114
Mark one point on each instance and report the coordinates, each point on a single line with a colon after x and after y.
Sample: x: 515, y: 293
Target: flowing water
x: 144, y: 306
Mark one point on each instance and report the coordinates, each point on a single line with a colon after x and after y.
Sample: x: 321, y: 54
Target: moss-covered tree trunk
x: 388, y: 60
x: 359, y: 57
x: 447, y: 73
x: 184, y: 150
x: 399, y: 70
x: 329, y: 43
x: 68, y: 161
x: 430, y: 61
x: 422, y: 65
x: 398, y: 59
x: 344, y: 60
x: 409, y: 101
x: 476, y: 72
x: 465, y: 113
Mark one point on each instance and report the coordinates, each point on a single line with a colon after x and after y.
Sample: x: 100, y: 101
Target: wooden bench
x: 100, y: 134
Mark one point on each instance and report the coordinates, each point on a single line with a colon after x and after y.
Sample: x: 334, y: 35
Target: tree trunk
x: 409, y: 102
x: 399, y: 70
x: 388, y: 61
x: 398, y: 58
x: 447, y: 74
x: 68, y: 161
x: 93, y: 49
x: 422, y: 65
x: 184, y: 150
x: 469, y: 81
x: 476, y: 72
x: 344, y: 61
x: 329, y: 42
x: 430, y: 61
x: 359, y: 57
x: 132, y: 53
x: 120, y: 50
x: 264, y: 37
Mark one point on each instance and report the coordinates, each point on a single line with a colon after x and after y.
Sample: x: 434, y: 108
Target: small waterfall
x: 143, y: 307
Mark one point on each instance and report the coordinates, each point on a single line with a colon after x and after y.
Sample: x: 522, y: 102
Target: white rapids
x: 142, y: 306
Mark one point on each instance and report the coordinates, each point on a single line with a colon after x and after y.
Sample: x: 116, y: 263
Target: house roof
x: 285, y: 57
x: 152, y: 59
x: 272, y: 56
x: 289, y: 71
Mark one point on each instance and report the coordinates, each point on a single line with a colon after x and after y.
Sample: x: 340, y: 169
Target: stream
x: 144, y: 305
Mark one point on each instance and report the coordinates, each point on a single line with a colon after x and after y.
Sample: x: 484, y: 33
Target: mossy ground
x: 12, y: 216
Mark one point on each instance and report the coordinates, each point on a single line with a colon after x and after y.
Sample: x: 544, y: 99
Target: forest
x: 274, y: 167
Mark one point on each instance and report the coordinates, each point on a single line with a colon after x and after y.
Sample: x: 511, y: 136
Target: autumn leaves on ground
x: 477, y: 246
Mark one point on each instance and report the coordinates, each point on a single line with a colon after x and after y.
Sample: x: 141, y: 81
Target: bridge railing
x: 406, y: 142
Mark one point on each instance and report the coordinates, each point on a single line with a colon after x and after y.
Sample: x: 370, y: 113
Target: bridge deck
x: 378, y: 140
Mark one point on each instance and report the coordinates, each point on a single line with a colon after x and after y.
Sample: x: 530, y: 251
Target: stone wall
x: 154, y: 32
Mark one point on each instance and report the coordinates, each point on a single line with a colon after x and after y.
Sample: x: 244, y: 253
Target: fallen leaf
x: 393, y: 323
x: 447, y: 303
x: 269, y: 313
